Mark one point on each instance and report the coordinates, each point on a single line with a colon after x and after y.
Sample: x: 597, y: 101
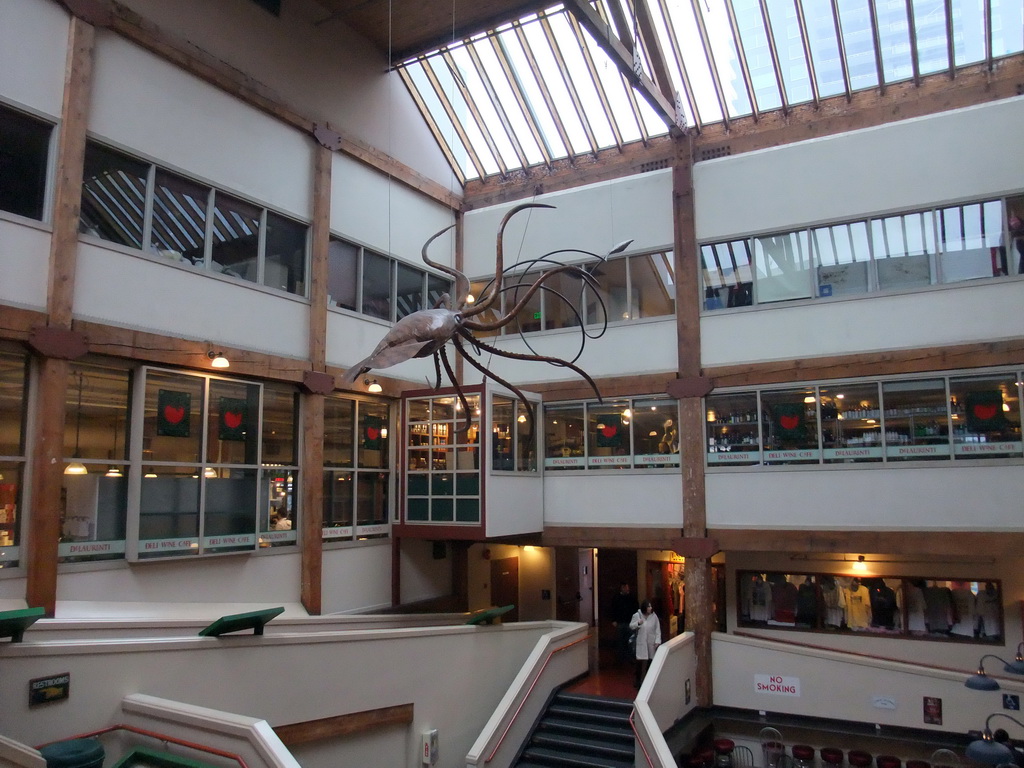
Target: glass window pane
x: 1007, y: 28
x: 169, y: 512
x: 758, y: 54
x: 236, y: 234
x: 1015, y: 225
x: 783, y: 265
x: 608, y: 440
x: 436, y: 287
x: 564, y: 437
x: 894, y: 40
x: 278, y: 508
x: 24, y: 148
x: 372, y: 504
x: 338, y: 504
x: 233, y: 423
x: 10, y: 520
x: 408, y: 290
x: 342, y: 274
x: 902, y: 247
x: 930, y: 30
x: 229, y: 522
x: 728, y: 278
x: 842, y: 257
x: 373, y: 435
x: 821, y: 33
x: 851, y: 423
x: 113, y: 196
x: 563, y: 301
x: 916, y: 420
x: 13, y: 383
x: 284, y: 265
x: 526, y: 438
x: 94, y: 509
x: 790, y: 426
x: 339, y: 418
x: 788, y: 43
x: 613, y: 292
x: 173, y: 418
x: 280, y: 424
x: 972, y: 237
x: 986, y: 416
x: 656, y: 433
x: 858, y: 40
x: 654, y: 287
x: 501, y: 434
x: 478, y: 289
x: 179, y: 219
x: 733, y: 429
x: 376, y: 286
x: 529, y: 317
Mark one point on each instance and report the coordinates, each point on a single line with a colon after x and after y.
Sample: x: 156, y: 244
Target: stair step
x: 574, y: 728
x: 595, y: 702
x: 588, y: 715
x: 550, y: 757
x: 583, y: 745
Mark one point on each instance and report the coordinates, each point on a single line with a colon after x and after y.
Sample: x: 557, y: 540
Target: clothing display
x: 965, y: 619
x: 858, y: 606
x: 987, y: 608
x: 784, y: 596
x: 915, y: 608
x: 834, y: 598
x: 938, y: 615
x: 883, y: 606
x: 759, y: 600
x: 807, y: 604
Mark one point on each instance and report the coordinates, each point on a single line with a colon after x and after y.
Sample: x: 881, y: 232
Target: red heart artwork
x: 985, y: 412
x: 789, y: 422
x: 173, y: 414
x: 372, y: 433
x: 609, y: 431
x: 232, y: 420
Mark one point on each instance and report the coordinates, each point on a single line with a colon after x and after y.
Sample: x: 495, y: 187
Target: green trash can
x: 74, y: 753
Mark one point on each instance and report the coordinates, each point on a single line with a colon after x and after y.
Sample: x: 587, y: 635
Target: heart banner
x: 373, y: 439
x: 234, y: 421
x: 173, y: 413
x: 985, y: 411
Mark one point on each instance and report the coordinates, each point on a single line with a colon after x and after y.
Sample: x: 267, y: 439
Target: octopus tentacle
x: 512, y: 387
x: 458, y: 390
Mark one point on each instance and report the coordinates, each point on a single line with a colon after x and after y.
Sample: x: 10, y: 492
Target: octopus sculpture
x: 427, y: 332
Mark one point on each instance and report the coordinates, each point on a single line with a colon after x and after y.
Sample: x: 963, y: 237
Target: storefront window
x: 916, y: 420
x: 968, y: 610
x: 734, y: 436
x: 279, y: 519
x: 790, y: 426
x: 986, y: 416
x: 356, y: 463
x: 13, y: 377
x: 564, y: 429
x: 656, y: 433
x: 608, y: 430
x: 851, y: 423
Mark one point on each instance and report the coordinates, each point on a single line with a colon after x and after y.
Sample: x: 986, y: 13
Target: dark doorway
x: 567, y: 584
x: 505, y: 585
x: 615, y: 566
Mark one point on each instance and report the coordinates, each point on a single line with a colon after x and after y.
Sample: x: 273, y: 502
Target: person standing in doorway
x: 622, y: 609
x: 648, y: 637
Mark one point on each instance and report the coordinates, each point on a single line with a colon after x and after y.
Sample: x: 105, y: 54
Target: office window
x: 113, y: 196
x: 94, y: 497
x: 782, y: 266
x: 357, y: 477
x: 24, y: 153
x: 654, y: 284
x: 13, y: 402
x: 971, y: 236
x: 408, y: 290
x: 247, y: 241
x: 842, y: 258
x: 728, y: 277
x: 903, y: 247
x: 342, y: 275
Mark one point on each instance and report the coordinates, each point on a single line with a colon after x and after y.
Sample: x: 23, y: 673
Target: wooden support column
x: 312, y: 484
x: 699, y: 597
x: 46, y: 478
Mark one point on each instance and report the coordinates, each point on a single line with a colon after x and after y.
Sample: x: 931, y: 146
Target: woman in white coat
x: 648, y: 637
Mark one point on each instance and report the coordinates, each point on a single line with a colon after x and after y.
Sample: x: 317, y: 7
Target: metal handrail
x: 543, y: 666
x: 153, y: 734
x: 639, y: 741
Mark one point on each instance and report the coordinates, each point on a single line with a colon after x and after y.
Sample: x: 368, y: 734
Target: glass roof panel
x: 790, y: 47
x: 759, y: 56
x: 541, y: 88
x: 855, y: 19
x: 894, y: 40
x: 727, y: 58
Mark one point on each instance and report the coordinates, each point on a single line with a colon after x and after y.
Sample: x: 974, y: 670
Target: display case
x: 916, y: 420
x: 851, y: 423
x: 734, y: 429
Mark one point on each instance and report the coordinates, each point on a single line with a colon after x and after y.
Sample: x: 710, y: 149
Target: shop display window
x: 965, y: 610
x: 942, y: 418
x: 617, y: 434
x: 13, y: 399
x: 357, y: 477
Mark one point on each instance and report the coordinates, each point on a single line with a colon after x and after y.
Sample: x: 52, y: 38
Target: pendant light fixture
x: 115, y: 469
x: 76, y: 467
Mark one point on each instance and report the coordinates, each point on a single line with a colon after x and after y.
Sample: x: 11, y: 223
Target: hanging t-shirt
x: 858, y: 607
x: 834, y: 598
x: 964, y: 613
x: 807, y: 604
x: 938, y: 605
x: 784, y: 602
x: 915, y: 609
x: 987, y: 609
x: 760, y: 607
x: 883, y: 607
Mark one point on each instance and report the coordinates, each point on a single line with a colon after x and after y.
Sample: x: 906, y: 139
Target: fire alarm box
x: 428, y: 740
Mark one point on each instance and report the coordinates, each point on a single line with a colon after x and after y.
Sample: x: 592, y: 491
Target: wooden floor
x: 609, y: 679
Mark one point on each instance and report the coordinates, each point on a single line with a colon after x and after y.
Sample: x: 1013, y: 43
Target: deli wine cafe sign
x: 777, y: 685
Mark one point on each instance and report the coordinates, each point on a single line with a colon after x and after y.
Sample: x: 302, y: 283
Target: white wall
x: 594, y: 218
x: 647, y: 499
x: 923, y: 161
x: 33, y: 43
x: 423, y: 577
x: 282, y: 677
x: 915, y: 495
x: 314, y: 64
x: 357, y: 577
x: 24, y: 263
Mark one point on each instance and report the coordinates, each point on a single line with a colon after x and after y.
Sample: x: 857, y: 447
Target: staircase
x: 581, y: 731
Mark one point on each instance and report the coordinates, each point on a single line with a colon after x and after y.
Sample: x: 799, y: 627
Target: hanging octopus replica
x: 426, y: 332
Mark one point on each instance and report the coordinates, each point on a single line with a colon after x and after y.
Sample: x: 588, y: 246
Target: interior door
x: 505, y: 585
